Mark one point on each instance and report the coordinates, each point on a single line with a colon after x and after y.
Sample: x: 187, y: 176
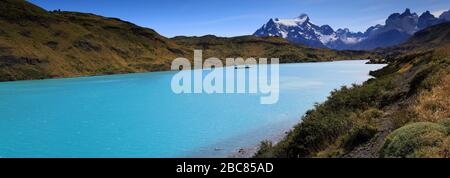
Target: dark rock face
x: 11, y: 60
x: 388, y: 38
x: 426, y: 20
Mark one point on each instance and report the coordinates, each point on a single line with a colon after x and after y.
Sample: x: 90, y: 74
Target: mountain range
x: 397, y: 29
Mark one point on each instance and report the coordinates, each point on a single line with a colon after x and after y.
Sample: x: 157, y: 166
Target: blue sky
x: 242, y: 17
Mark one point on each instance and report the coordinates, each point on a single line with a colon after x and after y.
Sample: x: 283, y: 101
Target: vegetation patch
x: 422, y: 139
x: 86, y: 45
x: 52, y: 44
x: 358, y: 136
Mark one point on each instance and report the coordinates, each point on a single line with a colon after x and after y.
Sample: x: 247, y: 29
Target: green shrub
x: 428, y: 152
x: 265, y: 150
x: 358, y: 136
x: 346, y: 109
x: 416, y: 140
x: 445, y: 123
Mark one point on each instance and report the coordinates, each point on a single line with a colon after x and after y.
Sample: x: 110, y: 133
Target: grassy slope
x: 355, y: 122
x: 36, y: 44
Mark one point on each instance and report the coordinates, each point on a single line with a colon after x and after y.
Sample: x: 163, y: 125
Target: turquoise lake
x: 138, y: 115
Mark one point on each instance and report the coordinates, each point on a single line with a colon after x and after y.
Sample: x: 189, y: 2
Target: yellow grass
x: 435, y: 104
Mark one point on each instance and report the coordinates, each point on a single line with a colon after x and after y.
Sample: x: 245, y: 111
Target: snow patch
x: 351, y: 40
x: 325, y: 39
x: 291, y: 22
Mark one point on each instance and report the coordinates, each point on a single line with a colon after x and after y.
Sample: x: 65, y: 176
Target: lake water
x: 138, y: 115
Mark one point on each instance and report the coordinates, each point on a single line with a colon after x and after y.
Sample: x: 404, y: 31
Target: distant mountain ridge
x: 397, y: 29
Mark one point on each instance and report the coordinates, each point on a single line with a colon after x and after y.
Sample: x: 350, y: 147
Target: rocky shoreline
x: 250, y: 151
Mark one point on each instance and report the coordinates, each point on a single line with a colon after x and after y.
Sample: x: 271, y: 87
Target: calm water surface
x: 138, y: 115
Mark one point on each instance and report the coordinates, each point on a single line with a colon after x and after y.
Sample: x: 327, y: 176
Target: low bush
x: 265, y: 149
x: 358, y: 136
x: 422, y: 139
x: 445, y: 123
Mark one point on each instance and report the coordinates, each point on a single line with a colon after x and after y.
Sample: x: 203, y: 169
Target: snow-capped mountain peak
x: 299, y: 30
x: 303, y: 17
x: 293, y: 22
x: 397, y: 29
x: 302, y: 30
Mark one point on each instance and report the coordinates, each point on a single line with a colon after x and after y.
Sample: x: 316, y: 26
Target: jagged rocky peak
x: 326, y: 29
x: 407, y: 12
x: 405, y: 15
x: 406, y: 22
x: 427, y: 14
x: 342, y: 31
x: 372, y: 29
x: 426, y: 19
x: 445, y: 16
x: 304, y: 17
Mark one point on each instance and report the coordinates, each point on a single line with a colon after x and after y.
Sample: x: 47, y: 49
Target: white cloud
x: 437, y: 13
